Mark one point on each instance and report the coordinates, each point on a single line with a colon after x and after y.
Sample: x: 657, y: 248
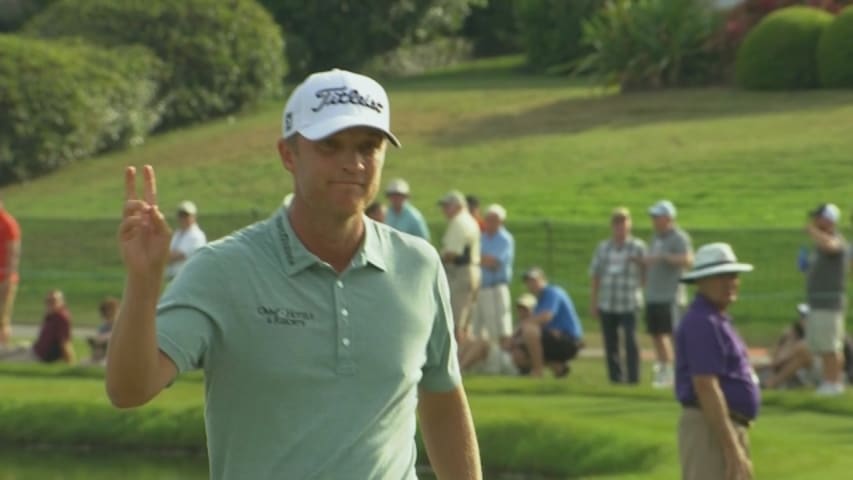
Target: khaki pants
x: 699, y: 448
x: 464, y: 286
x: 492, y: 318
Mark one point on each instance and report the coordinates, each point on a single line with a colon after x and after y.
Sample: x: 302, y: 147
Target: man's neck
x: 333, y: 240
x: 398, y: 208
x: 620, y: 239
x: 721, y: 308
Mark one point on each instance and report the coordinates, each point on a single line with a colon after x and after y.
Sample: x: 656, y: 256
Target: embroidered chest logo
x: 285, y: 316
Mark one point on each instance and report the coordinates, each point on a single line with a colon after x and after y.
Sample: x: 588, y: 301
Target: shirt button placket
x: 344, y: 362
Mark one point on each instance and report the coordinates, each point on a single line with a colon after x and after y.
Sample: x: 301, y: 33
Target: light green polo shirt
x: 308, y: 373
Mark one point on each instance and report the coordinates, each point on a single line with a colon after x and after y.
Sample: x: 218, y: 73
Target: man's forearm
x: 448, y: 434
x: 716, y: 412
x: 133, y: 356
x: 823, y: 240
x: 679, y: 260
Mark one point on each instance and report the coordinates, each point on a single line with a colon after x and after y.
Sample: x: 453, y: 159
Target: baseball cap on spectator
x: 453, y: 197
x: 334, y: 100
x: 663, y: 208
x: 533, y: 272
x: 828, y: 211
x: 620, y: 213
x: 803, y: 309
x: 496, y: 210
x: 187, y: 207
x: 526, y: 300
x: 398, y: 186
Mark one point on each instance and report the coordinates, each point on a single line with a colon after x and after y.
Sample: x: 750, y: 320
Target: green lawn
x: 742, y: 167
x: 574, y: 428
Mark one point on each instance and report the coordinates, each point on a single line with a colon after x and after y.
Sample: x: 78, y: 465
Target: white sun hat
x: 334, y: 100
x: 714, y: 259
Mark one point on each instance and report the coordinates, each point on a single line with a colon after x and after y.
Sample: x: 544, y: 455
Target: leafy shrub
x: 322, y: 34
x: 781, y: 52
x: 835, y: 52
x: 224, y: 55
x: 744, y: 17
x: 651, y: 43
x: 494, y: 29
x: 551, y: 31
x: 63, y: 101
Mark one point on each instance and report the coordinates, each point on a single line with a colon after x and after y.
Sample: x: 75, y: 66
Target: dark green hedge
x: 835, y: 52
x: 223, y: 54
x: 781, y: 52
x: 61, y: 101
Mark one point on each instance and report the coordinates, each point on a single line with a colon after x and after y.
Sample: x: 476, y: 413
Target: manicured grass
x: 568, y: 429
x: 742, y: 167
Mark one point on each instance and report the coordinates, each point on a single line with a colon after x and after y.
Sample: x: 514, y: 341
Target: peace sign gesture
x: 143, y: 235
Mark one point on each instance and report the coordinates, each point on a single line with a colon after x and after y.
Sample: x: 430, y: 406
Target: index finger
x: 130, y: 183
x: 150, y: 185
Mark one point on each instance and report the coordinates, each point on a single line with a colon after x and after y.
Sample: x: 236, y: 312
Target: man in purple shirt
x: 714, y: 381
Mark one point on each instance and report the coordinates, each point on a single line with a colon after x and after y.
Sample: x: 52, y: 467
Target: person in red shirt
x: 10, y: 250
x: 54, y: 340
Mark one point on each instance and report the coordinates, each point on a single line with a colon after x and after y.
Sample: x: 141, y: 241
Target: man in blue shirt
x: 492, y: 317
x: 402, y: 215
x: 553, y: 334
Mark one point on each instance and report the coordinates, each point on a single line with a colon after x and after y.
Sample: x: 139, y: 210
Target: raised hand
x: 143, y: 236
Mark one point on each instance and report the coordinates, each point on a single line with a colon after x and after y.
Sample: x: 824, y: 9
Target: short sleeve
x: 188, y: 312
x: 420, y: 226
x: 454, y: 238
x: 441, y: 371
x: 703, y: 348
x: 683, y: 243
x: 548, y: 302
x: 595, y: 264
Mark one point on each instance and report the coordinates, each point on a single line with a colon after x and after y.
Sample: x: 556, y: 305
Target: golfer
x: 321, y: 333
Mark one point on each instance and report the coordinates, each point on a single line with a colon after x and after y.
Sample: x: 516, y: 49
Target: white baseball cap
x: 328, y: 102
x: 714, y: 259
x: 663, y: 208
x: 187, y: 207
x: 829, y: 211
x: 399, y: 186
x: 496, y: 210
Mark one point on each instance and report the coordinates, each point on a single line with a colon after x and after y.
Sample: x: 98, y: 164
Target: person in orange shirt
x: 10, y: 252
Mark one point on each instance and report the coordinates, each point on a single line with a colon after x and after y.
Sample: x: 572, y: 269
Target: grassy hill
x: 740, y: 166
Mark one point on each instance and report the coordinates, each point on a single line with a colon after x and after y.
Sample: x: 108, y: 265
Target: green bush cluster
x: 63, y: 101
x: 780, y: 53
x: 835, y: 52
x: 551, y: 31
x: 224, y: 55
x: 640, y: 44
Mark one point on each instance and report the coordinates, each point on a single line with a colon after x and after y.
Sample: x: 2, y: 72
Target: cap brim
x: 694, y: 275
x: 321, y: 130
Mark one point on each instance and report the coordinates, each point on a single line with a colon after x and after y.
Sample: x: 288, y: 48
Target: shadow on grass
x: 575, y: 115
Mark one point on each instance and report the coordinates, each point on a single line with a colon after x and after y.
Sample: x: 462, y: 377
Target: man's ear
x: 286, y: 153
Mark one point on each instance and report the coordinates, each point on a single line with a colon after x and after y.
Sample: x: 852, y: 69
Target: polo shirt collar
x: 706, y: 304
x: 372, y: 249
x: 298, y: 258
